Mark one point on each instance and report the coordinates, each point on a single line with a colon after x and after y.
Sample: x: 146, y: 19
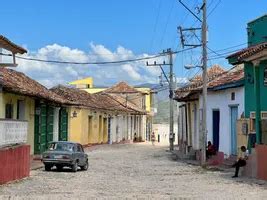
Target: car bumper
x: 58, y: 161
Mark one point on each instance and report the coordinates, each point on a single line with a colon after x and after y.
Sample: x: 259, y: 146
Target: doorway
x: 233, y: 117
x: 216, y: 128
x: 90, y: 129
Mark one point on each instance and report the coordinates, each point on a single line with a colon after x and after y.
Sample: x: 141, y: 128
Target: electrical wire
x: 96, y: 63
x: 155, y: 26
x: 166, y: 25
x: 219, y: 1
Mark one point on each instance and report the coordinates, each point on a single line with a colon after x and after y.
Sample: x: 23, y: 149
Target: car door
x: 84, y: 155
x: 80, y: 154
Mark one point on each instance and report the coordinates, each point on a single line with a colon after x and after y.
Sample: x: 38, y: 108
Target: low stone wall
x: 14, y: 163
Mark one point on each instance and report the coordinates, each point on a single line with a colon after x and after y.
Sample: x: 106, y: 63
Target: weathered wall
x: 261, y: 152
x: 29, y: 113
x: 242, y: 139
x: 83, y: 132
x: 162, y: 131
x: 14, y: 163
x: 221, y: 100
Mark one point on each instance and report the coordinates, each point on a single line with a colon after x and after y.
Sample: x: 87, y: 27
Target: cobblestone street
x: 133, y: 171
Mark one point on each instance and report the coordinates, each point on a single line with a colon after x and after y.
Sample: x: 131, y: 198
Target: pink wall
x: 261, y: 152
x: 14, y: 163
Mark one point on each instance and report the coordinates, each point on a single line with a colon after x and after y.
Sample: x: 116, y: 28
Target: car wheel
x: 74, y: 167
x: 48, y: 167
x: 85, y: 167
x: 59, y: 167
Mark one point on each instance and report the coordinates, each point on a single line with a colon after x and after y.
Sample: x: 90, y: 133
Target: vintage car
x: 61, y: 154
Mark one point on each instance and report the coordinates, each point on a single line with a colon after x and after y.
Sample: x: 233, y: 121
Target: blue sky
x: 117, y: 29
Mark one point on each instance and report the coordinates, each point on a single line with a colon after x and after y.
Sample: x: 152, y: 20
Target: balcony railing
x: 13, y: 132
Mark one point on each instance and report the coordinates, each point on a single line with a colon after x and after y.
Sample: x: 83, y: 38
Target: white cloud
x: 51, y: 74
x: 132, y: 72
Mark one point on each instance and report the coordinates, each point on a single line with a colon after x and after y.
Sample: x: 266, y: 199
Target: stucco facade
x: 221, y: 101
x: 28, y: 114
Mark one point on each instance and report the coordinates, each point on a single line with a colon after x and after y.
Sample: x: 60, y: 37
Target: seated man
x: 210, y: 150
x: 241, y: 162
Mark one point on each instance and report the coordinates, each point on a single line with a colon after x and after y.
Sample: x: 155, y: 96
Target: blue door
x: 233, y: 117
x: 216, y: 128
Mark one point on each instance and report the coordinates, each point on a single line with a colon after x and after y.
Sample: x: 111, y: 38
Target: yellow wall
x: 148, y: 97
x: 29, y: 112
x: 85, y: 81
x: 79, y: 127
x: 242, y: 139
x: 94, y: 90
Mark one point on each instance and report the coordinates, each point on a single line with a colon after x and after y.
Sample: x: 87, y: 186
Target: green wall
x: 257, y: 31
x: 249, y: 88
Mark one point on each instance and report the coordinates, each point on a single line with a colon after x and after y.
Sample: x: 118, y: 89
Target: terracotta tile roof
x: 232, y: 76
x: 212, y: 72
x: 122, y: 87
x: 244, y: 53
x: 196, y: 82
x: 7, y: 44
x: 97, y: 101
x: 17, y: 82
x: 224, y: 78
x: 78, y: 97
x: 125, y: 102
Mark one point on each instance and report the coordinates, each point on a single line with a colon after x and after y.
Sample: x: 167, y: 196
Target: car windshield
x: 61, y: 147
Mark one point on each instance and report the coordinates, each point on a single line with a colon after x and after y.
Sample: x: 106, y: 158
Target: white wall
x: 55, y: 124
x: 221, y: 100
x: 163, y: 131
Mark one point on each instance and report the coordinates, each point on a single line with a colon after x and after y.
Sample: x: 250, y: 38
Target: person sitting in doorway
x: 241, y: 162
x: 210, y: 150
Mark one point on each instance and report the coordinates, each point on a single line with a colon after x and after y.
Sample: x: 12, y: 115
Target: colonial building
x: 254, y: 58
x: 26, y: 100
x: 13, y: 126
x: 98, y: 118
x: 141, y: 97
x: 224, y: 107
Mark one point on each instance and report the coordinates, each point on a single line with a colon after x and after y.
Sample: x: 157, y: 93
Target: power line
x: 223, y: 55
x: 95, y: 63
x: 155, y: 25
x: 219, y: 1
x: 166, y: 25
x: 238, y: 45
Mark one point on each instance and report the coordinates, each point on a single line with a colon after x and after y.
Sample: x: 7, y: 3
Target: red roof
x: 244, y: 53
x: 217, y: 79
x: 121, y: 87
x: 234, y: 75
x: 17, y: 82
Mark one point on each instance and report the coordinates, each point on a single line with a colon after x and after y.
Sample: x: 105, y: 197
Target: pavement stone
x: 134, y: 171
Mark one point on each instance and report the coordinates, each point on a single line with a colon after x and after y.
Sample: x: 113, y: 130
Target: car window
x: 79, y: 148
x: 61, y: 147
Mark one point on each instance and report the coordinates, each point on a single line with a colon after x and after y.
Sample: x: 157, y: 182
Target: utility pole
x: 171, y: 100
x: 203, y: 136
x: 204, y: 77
x: 170, y: 81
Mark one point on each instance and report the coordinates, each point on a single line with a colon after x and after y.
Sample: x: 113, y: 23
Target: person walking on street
x: 153, y: 138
